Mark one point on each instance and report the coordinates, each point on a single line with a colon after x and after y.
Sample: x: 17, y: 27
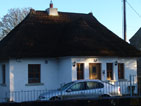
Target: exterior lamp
x: 46, y: 61
x: 116, y: 62
x: 95, y: 60
x: 74, y: 64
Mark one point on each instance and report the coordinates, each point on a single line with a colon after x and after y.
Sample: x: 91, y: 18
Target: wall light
x: 116, y: 62
x: 46, y: 61
x: 74, y: 64
x: 95, y: 60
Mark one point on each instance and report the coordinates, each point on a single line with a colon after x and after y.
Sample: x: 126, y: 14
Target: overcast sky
x: 108, y: 12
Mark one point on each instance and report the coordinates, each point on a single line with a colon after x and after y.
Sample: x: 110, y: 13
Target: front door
x: 95, y: 71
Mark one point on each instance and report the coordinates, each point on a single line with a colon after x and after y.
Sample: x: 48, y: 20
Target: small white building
x: 45, y: 51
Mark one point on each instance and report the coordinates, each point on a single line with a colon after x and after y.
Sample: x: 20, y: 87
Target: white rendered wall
x: 19, y: 74
x: 65, y: 70
x: 19, y: 78
x: 55, y: 72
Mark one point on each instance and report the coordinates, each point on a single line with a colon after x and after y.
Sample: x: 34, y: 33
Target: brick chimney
x: 52, y: 11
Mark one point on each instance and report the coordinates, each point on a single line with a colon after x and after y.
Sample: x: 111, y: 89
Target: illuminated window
x: 34, y: 73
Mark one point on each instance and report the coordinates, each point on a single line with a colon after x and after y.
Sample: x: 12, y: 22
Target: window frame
x: 34, y: 73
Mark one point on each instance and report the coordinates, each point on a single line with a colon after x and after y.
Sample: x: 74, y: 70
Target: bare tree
x: 11, y: 19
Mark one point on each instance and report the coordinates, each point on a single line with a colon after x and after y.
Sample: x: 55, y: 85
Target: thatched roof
x: 69, y: 34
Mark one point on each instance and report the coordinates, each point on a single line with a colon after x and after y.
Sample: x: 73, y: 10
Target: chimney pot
x: 51, y: 5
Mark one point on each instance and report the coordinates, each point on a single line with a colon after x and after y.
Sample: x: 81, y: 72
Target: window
x: 80, y: 71
x: 120, y: 70
x: 109, y: 71
x: 78, y: 86
x: 3, y: 74
x: 94, y: 85
x: 34, y: 73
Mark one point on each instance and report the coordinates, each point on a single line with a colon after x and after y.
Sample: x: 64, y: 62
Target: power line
x: 133, y: 9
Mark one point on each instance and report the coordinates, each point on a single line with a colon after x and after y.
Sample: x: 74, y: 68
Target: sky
x: 107, y: 12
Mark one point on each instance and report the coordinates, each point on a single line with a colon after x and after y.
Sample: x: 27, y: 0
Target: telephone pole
x: 124, y: 19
